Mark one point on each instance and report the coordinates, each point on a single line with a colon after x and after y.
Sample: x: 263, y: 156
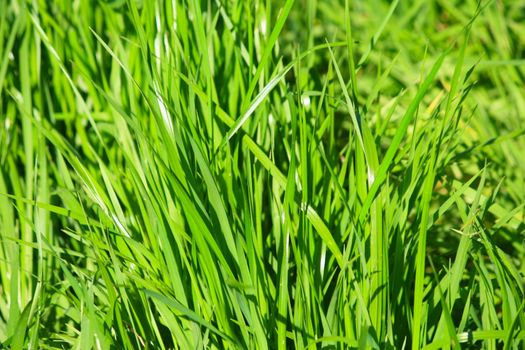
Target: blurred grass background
x: 264, y: 174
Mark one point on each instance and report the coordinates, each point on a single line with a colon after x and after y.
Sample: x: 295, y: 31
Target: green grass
x: 262, y: 174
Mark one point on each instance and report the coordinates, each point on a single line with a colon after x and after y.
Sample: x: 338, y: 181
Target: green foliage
x: 262, y: 174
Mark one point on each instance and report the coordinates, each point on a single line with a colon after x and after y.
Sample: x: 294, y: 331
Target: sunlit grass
x: 262, y: 175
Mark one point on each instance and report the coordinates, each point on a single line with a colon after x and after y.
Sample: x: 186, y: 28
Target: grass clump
x: 270, y: 175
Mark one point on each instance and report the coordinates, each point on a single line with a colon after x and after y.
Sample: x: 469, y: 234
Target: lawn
x: 229, y: 174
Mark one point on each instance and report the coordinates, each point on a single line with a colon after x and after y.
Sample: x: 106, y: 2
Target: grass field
x: 229, y: 174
